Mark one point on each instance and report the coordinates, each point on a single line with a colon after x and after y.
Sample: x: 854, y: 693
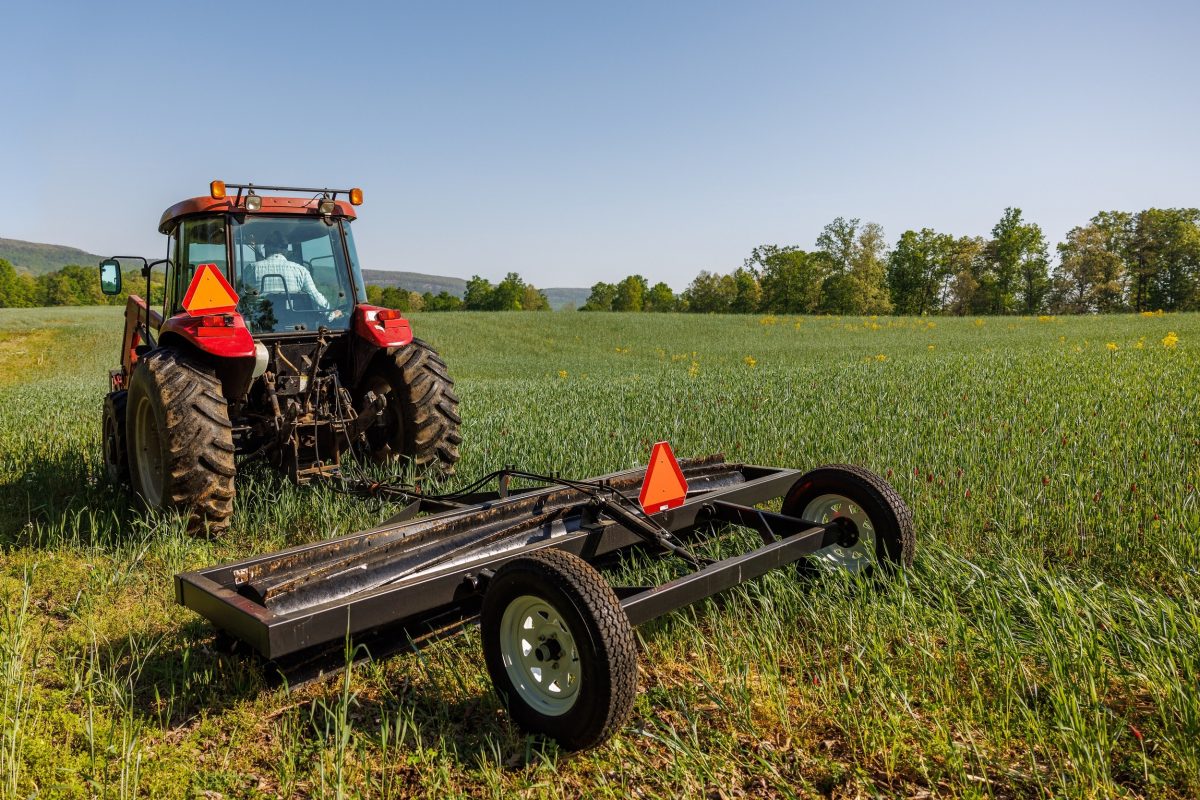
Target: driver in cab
x: 274, y: 269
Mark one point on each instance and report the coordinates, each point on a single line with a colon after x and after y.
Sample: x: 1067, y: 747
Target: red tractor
x: 265, y: 346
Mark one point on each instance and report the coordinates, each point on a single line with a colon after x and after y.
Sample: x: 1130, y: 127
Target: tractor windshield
x: 293, y: 274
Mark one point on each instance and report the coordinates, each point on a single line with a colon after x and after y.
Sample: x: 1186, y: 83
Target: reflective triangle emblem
x: 209, y: 292
x: 664, y: 486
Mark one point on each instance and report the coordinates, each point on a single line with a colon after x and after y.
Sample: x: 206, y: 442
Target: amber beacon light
x: 216, y: 190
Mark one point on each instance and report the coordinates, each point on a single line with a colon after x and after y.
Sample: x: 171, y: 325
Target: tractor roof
x: 300, y: 206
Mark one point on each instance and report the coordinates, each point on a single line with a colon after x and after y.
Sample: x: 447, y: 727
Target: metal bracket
x: 478, y: 582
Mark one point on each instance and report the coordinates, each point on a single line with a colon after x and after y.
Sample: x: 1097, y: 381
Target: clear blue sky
x: 575, y: 144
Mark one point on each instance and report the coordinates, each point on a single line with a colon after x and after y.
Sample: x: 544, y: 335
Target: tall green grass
x: 1044, y: 644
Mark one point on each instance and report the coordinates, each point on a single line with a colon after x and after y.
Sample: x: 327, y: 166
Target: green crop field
x: 1045, y: 643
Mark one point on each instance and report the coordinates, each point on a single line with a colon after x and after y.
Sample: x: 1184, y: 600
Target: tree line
x: 76, y: 285
x: 73, y: 285
x: 1119, y: 261
x: 510, y: 294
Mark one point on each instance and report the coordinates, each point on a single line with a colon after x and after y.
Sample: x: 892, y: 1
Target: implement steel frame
x: 353, y: 585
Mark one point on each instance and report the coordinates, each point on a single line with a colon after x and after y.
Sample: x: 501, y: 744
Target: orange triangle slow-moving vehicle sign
x: 209, y: 292
x: 664, y: 486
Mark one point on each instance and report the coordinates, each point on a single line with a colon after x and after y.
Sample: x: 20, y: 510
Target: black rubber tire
x: 603, y: 639
x: 183, y: 399
x: 112, y: 438
x: 890, y: 517
x: 421, y: 419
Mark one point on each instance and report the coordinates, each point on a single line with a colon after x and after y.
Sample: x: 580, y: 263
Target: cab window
x: 201, y: 241
x: 291, y: 274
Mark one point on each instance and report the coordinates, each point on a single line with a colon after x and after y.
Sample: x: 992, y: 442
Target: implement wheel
x: 421, y: 419
x: 559, y: 648
x: 882, y: 524
x: 112, y: 437
x: 180, y: 441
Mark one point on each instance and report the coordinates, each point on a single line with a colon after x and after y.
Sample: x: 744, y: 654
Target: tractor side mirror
x: 110, y: 276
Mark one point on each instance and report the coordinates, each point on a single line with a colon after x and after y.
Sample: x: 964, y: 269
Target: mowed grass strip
x: 1046, y: 642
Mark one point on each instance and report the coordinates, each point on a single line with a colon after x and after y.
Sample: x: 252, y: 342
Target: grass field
x: 1046, y: 642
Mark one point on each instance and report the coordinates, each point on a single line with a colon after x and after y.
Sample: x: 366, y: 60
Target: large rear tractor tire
x: 180, y: 440
x: 882, y: 523
x: 559, y: 648
x: 421, y: 419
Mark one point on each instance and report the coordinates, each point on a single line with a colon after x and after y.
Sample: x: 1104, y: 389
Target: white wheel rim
x: 829, y: 507
x: 539, y: 655
x: 149, y: 454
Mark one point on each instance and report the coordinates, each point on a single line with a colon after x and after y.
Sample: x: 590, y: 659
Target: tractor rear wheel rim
x: 828, y: 507
x: 539, y: 654
x: 149, y: 454
x: 388, y: 425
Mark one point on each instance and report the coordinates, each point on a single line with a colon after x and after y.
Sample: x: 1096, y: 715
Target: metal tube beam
x: 727, y: 573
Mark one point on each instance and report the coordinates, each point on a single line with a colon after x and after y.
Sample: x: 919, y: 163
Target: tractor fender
x: 228, y: 339
x: 228, y: 347
x: 373, y: 335
x: 391, y: 331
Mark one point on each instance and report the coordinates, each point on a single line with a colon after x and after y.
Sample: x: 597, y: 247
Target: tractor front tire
x: 180, y: 440
x: 421, y: 419
x: 112, y: 437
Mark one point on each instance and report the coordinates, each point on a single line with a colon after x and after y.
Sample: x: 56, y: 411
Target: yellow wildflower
x: 930, y: 347
x: 1170, y: 340
x: 978, y: 323
x: 750, y: 361
x: 881, y: 357
x: 694, y: 369
x: 562, y: 373
x: 768, y: 320
x: 1112, y: 346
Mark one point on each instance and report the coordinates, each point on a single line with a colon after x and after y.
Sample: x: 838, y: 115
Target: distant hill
x: 566, y: 297
x: 420, y: 282
x: 416, y: 281
x: 39, y: 259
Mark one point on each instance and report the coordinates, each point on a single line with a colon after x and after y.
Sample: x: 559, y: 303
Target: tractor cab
x: 291, y: 261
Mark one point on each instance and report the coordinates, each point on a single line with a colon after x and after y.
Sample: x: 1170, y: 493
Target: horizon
x: 573, y: 147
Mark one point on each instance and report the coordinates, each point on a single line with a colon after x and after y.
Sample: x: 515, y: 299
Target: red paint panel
x: 270, y: 205
x: 389, y: 332
x: 224, y: 341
